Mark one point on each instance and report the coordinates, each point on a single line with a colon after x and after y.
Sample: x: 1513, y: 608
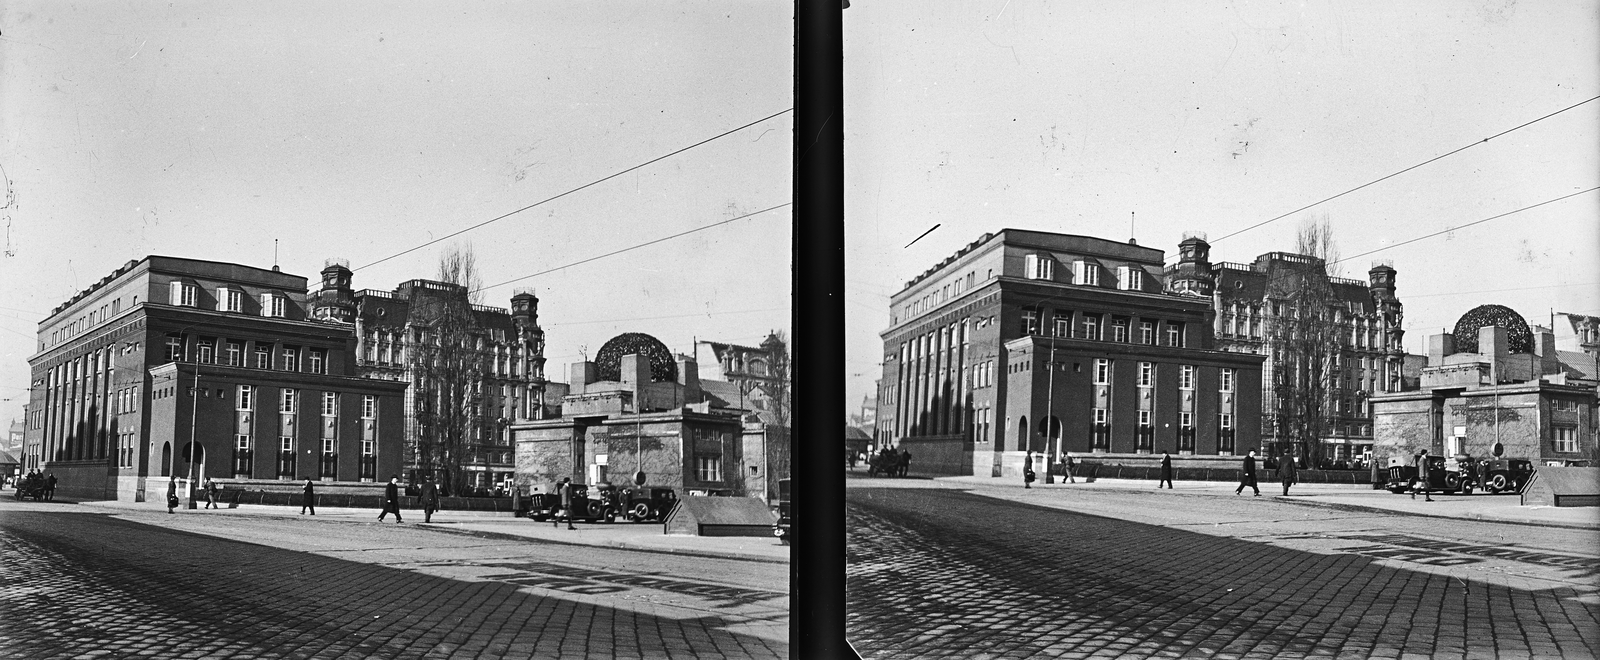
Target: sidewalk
x: 1478, y: 506
x: 629, y: 536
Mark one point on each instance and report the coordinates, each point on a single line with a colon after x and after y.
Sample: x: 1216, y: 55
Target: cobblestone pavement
x: 939, y: 572
x: 90, y: 585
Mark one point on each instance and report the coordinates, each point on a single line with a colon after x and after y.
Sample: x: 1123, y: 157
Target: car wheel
x: 1498, y: 483
x: 641, y: 511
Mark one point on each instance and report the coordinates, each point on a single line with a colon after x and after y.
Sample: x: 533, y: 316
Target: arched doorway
x: 1052, y: 442
x: 1022, y: 434
x: 166, y: 459
x: 199, y: 460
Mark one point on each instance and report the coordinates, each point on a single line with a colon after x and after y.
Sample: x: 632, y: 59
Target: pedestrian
x: 1027, y: 470
x: 391, y: 499
x: 211, y: 493
x: 308, y: 499
x: 172, y: 495
x: 1247, y: 477
x: 1166, y: 471
x: 50, y: 487
x: 1069, y: 464
x: 430, y: 500
x: 565, y: 488
x: 851, y: 457
x: 1286, y: 472
x: 905, y: 462
x: 1420, y: 482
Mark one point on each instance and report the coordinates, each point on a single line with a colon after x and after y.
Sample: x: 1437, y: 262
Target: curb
x: 1339, y: 506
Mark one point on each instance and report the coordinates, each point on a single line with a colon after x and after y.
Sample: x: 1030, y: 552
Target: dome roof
x: 1519, y: 339
x: 608, y: 361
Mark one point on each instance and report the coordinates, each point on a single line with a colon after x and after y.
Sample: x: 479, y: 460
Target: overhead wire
x: 573, y: 190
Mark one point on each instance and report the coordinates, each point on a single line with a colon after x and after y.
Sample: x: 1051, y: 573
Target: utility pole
x: 1049, y: 412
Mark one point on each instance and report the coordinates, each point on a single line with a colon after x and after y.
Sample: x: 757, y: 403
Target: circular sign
x: 638, y: 478
x: 1499, y: 449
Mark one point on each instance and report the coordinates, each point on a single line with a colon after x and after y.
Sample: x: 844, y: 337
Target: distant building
x: 1492, y: 387
x: 168, y: 359
x: 507, y: 356
x: 757, y: 373
x: 14, y: 435
x: 638, y: 408
x: 1369, y: 361
x: 1053, y: 343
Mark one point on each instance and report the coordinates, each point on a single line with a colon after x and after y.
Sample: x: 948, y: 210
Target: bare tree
x: 1303, y: 341
x: 447, y: 365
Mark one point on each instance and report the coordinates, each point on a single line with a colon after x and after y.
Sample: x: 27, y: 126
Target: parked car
x: 648, y: 504
x: 1505, y: 474
x: 783, y: 528
x: 1441, y: 475
x: 601, y: 505
x: 31, y: 486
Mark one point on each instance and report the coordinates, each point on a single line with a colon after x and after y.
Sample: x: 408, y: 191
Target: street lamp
x: 1049, y: 412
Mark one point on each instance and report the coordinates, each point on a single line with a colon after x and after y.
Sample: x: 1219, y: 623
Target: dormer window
x: 1040, y: 267
x: 232, y: 299
x: 274, y: 305
x: 184, y: 294
x: 1087, y: 273
x: 1130, y: 278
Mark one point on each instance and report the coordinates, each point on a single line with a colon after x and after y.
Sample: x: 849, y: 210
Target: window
x: 1174, y: 334
x: 327, y: 445
x: 1227, y: 380
x: 1063, y: 325
x: 1030, y: 322
x: 234, y: 298
x: 1565, y: 404
x: 368, y: 447
x: 1130, y: 278
x: 1102, y: 371
x: 263, y: 357
x: 183, y: 294
x: 1119, y: 330
x: 286, y: 403
x: 1566, y: 438
x: 174, y: 348
x: 1040, y: 267
x: 1101, y: 415
x: 206, y: 351
x: 1186, y: 377
x: 330, y: 404
x: 1186, y: 420
x: 317, y: 361
x: 1091, y: 327
x: 1147, y: 373
x: 1147, y: 333
x: 369, y: 406
x: 1225, y: 420
x: 1144, y: 418
x: 285, y: 444
x: 1086, y: 273
x: 291, y: 358
x: 245, y: 393
x: 242, y: 442
x: 708, y: 468
x: 235, y: 354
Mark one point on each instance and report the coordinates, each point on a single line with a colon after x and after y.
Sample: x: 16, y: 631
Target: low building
x: 1493, y: 387
x: 171, y: 368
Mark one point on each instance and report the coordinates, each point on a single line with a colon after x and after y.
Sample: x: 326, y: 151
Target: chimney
x: 689, y: 378
x: 1440, y: 346
x: 582, y: 373
x: 1549, y: 362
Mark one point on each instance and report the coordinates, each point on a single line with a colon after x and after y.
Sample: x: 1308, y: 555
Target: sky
x: 1084, y: 118
x: 358, y: 130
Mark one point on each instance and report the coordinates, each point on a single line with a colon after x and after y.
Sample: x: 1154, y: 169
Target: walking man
x: 391, y: 499
x: 905, y: 461
x: 1027, y: 470
x: 1421, y: 482
x: 1166, y: 471
x: 1248, y: 476
x: 50, y: 487
x: 565, y: 488
x: 1068, y: 462
x: 1286, y: 472
x: 308, y: 499
x: 430, y: 500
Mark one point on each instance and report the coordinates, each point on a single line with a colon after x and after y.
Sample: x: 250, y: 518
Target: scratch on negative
x: 136, y: 50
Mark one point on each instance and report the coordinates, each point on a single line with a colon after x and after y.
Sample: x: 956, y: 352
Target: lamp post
x: 1049, y: 412
x: 194, y: 413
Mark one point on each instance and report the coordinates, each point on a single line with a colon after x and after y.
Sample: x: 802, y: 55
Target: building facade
x: 1255, y: 307
x: 1494, y: 387
x: 1055, y: 344
x: 173, y: 368
x: 502, y: 366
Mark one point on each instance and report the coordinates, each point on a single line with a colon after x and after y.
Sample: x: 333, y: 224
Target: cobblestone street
x: 937, y: 572
x: 77, y: 584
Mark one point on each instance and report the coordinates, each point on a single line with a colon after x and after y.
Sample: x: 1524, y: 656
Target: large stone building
x: 502, y: 366
x: 168, y: 359
x: 1052, y: 343
x: 1492, y: 387
x: 1252, y: 302
x: 638, y: 408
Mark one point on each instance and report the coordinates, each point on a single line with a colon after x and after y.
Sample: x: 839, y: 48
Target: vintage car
x: 601, y: 505
x: 884, y: 463
x: 648, y: 504
x: 783, y: 528
x: 1505, y: 475
x: 31, y: 486
x: 1442, y: 475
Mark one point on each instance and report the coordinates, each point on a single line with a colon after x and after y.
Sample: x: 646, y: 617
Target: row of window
x: 88, y: 320
x: 1090, y: 326
x: 230, y: 298
x: 232, y: 353
x: 1084, y: 272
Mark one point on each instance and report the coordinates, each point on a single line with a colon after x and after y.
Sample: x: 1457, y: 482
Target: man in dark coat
x: 1166, y: 471
x: 1248, y: 476
x: 565, y: 488
x: 211, y: 493
x: 50, y: 487
x: 391, y: 499
x: 430, y: 500
x: 1027, y: 470
x: 308, y: 499
x: 1286, y: 472
x: 1421, y: 482
x: 172, y: 495
x: 905, y: 462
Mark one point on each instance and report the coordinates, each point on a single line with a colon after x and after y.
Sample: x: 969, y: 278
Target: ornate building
x: 1052, y: 343
x: 1255, y: 302
x: 169, y: 368
x: 502, y: 360
x: 758, y: 372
